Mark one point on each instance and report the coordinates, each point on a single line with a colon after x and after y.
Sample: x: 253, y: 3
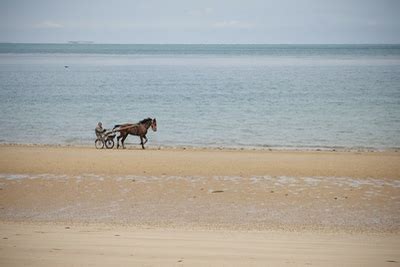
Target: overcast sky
x: 203, y: 21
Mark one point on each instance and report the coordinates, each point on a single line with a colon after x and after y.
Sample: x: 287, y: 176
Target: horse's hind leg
x: 141, y: 142
x: 118, y: 137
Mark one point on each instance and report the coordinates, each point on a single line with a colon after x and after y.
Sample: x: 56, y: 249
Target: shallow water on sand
x: 256, y: 201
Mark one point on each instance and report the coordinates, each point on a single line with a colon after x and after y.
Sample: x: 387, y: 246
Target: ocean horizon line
x: 111, y: 43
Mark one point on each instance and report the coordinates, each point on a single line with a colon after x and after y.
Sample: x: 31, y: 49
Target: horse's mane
x: 145, y: 120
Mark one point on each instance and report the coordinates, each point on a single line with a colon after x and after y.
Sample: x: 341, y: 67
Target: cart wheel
x: 109, y: 143
x: 98, y: 143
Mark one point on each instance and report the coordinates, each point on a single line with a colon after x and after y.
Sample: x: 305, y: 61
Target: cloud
x: 201, y: 12
x: 233, y: 24
x: 47, y: 24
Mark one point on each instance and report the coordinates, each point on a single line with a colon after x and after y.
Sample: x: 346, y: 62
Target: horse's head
x: 154, y: 125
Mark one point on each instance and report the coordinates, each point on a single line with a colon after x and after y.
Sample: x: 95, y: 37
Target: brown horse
x: 139, y: 129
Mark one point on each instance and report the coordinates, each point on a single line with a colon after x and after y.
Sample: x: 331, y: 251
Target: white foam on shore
x: 242, y: 147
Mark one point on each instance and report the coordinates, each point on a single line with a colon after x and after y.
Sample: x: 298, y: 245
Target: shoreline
x: 136, y: 146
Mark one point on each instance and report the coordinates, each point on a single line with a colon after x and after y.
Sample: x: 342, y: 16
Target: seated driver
x: 99, y: 130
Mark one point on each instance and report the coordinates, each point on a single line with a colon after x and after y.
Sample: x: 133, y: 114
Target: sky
x: 201, y: 22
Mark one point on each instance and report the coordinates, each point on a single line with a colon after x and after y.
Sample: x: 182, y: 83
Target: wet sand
x: 217, y: 206
x: 203, y: 162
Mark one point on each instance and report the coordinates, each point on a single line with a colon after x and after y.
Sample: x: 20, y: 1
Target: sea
x: 222, y: 96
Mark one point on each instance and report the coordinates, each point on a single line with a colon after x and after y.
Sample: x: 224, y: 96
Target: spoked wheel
x: 109, y: 143
x: 98, y: 143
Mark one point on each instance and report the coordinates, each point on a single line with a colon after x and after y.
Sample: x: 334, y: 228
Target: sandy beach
x: 36, y: 159
x: 79, y: 205
x: 105, y: 245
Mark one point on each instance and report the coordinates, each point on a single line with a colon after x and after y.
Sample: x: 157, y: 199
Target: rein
x: 147, y: 126
x: 126, y: 127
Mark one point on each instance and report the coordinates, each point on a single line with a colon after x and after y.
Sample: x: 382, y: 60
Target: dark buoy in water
x: 66, y: 66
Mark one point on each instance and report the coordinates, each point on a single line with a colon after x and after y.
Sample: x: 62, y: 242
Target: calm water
x: 204, y: 95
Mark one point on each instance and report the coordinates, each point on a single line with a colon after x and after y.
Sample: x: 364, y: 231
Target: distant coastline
x: 80, y: 42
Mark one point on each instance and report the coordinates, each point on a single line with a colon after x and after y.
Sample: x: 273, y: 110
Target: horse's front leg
x: 145, y: 140
x: 141, y: 142
x: 123, y: 140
